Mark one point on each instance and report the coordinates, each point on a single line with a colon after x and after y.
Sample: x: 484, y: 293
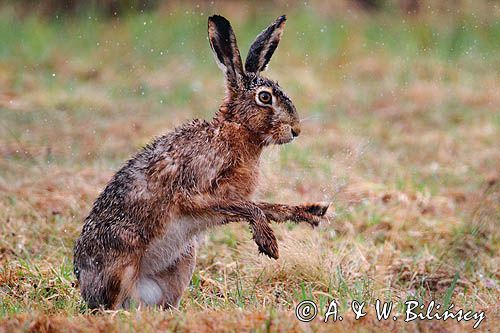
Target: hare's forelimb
x: 237, y: 211
x: 309, y: 213
x: 259, y: 215
x: 263, y: 235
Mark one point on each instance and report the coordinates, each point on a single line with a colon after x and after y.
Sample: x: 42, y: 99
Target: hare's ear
x: 223, y: 43
x: 264, y: 46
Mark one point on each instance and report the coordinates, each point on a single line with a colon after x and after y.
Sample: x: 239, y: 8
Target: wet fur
x: 138, y: 244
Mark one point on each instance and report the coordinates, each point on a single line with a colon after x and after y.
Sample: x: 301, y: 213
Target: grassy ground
x: 400, y: 132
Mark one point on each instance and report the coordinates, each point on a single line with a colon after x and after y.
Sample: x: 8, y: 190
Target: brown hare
x: 138, y: 244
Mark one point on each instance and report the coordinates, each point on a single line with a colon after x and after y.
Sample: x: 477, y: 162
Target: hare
x: 138, y: 244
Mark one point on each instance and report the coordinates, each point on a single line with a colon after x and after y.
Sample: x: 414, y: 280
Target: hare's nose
x: 295, y: 131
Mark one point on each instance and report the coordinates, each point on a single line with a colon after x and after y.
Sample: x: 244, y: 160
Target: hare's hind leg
x: 175, y: 279
x: 165, y: 288
x: 109, y: 287
x: 126, y: 280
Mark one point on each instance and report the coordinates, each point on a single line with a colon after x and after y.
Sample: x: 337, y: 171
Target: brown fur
x: 138, y: 244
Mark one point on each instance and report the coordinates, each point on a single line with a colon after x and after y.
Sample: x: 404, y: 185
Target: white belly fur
x: 176, y: 241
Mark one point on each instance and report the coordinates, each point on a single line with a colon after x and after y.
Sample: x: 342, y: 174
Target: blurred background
x: 400, y: 104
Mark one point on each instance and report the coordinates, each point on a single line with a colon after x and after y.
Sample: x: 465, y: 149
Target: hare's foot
x: 313, y: 213
x: 316, y: 209
x: 264, y: 237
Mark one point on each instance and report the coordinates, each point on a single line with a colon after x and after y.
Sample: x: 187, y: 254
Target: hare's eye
x: 265, y: 97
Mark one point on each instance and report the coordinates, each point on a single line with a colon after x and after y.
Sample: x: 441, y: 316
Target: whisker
x: 313, y: 117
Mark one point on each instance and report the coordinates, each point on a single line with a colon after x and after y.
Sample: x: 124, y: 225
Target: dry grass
x: 401, y: 132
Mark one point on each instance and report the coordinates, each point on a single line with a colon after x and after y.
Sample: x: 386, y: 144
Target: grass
x: 400, y: 132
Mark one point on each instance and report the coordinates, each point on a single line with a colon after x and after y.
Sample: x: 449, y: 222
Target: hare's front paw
x: 266, y: 241
x: 312, y: 213
x: 317, y: 209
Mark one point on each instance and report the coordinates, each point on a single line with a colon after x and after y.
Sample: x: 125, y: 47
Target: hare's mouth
x: 283, y: 137
x: 285, y: 141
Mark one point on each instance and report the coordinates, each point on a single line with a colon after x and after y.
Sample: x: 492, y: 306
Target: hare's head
x: 253, y: 101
